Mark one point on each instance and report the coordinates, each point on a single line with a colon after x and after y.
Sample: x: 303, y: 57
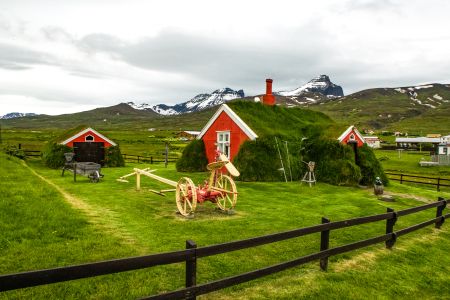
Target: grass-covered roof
x: 69, y: 133
x: 277, y: 120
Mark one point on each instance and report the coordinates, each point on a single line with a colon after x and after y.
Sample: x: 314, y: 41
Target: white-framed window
x: 352, y: 137
x: 223, y: 142
x: 89, y: 138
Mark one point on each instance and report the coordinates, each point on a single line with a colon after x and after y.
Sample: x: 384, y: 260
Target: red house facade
x: 89, y: 145
x: 225, y: 131
x: 352, y: 135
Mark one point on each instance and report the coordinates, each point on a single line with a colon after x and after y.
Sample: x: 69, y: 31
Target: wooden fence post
x: 324, y: 244
x: 74, y: 172
x: 390, y: 228
x: 166, y: 154
x: 151, y: 160
x: 138, y: 180
x: 138, y: 158
x: 401, y: 178
x: 439, y: 213
x: 191, y: 268
x: 439, y: 185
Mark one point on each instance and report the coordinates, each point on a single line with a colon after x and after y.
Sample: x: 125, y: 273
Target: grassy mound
x: 335, y: 163
x: 193, y: 158
x: 259, y: 160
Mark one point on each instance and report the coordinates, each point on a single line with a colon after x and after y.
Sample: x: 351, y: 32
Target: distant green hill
x: 421, y: 109
x: 417, y: 110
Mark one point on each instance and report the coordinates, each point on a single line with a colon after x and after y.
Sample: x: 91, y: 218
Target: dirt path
x: 409, y: 196
x: 103, y: 218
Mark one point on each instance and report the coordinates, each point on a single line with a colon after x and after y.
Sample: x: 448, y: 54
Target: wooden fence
x: 147, y: 159
x: 437, y: 181
x: 32, y: 153
x: 126, y: 157
x: 190, y: 255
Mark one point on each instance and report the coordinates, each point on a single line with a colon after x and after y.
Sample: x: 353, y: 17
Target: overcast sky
x: 67, y: 56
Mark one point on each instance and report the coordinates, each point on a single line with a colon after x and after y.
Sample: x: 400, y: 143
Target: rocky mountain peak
x: 320, y: 84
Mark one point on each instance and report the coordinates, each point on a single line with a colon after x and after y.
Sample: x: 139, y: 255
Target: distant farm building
x: 88, y: 145
x: 372, y: 141
x: 351, y: 136
x: 416, y: 142
x: 187, y: 135
x: 444, y: 146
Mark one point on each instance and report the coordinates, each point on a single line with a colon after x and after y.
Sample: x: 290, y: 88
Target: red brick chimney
x: 268, y: 98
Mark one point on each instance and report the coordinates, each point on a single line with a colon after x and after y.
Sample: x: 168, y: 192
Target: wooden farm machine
x: 219, y: 188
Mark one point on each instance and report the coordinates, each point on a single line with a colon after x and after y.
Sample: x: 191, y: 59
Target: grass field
x: 48, y: 221
x: 408, y: 162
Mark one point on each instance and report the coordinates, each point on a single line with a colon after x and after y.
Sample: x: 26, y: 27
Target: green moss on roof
x: 69, y: 133
x: 277, y: 120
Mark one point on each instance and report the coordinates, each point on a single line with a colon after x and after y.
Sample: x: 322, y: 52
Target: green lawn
x: 42, y: 229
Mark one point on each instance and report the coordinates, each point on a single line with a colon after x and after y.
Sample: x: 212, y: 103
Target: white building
x: 372, y: 141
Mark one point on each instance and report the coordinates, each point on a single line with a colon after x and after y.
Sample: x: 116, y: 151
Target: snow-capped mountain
x: 321, y: 84
x: 199, y: 102
x: 17, y: 115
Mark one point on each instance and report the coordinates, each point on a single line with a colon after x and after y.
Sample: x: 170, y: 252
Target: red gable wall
x: 223, y: 123
x: 83, y: 137
x: 357, y: 139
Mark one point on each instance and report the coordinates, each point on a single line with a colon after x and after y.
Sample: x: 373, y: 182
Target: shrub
x: 193, y: 158
x: 370, y: 167
x: 53, y: 155
x: 14, y: 151
x: 113, y: 157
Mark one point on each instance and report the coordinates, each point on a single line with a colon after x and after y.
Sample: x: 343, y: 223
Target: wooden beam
x: 156, y: 177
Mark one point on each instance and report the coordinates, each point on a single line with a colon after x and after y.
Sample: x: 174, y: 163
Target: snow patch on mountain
x: 199, y: 102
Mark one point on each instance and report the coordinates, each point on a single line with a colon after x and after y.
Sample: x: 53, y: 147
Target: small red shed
x: 352, y: 135
x: 225, y: 131
x: 89, y: 145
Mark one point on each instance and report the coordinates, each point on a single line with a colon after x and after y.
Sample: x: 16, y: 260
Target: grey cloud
x: 19, y: 58
x: 224, y: 62
x: 100, y: 42
x: 54, y: 33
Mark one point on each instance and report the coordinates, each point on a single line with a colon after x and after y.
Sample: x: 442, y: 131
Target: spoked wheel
x: 186, y: 196
x: 228, y: 197
x: 94, y: 176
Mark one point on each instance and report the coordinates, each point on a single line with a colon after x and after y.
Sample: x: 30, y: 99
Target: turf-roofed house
x: 88, y: 145
x: 265, y: 140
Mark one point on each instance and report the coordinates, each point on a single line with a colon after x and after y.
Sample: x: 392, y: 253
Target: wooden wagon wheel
x: 186, y: 196
x: 228, y: 197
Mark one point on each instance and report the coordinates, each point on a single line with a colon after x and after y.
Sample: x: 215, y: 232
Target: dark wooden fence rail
x: 190, y: 255
x: 126, y: 157
x: 147, y: 159
x: 407, y: 178
x: 32, y: 153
